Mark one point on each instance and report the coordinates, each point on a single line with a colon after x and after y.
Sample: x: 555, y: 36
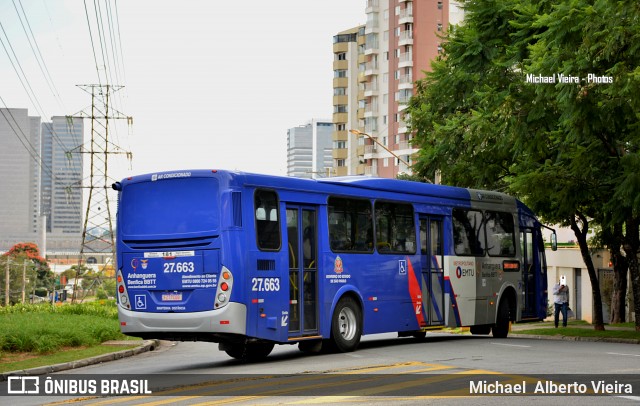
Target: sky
x: 209, y: 84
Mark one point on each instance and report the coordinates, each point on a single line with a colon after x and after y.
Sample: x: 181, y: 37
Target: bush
x: 45, y: 328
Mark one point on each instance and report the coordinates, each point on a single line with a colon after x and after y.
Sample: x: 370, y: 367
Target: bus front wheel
x: 346, y: 325
x: 501, y: 329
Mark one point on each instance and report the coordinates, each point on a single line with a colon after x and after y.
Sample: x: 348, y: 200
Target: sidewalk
x: 546, y: 325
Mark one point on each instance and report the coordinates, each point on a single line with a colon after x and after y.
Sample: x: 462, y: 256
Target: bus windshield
x: 170, y: 207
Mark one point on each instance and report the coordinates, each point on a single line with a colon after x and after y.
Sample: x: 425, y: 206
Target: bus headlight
x: 222, y: 298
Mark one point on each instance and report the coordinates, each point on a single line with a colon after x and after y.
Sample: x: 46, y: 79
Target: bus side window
x: 266, y: 216
x: 500, y: 234
x: 468, y: 232
x: 395, y: 228
x: 350, y: 225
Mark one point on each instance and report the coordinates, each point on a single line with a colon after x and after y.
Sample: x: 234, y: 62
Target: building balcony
x: 341, y: 65
x: 371, y: 171
x: 340, y: 117
x: 406, y: 16
x: 340, y: 171
x: 341, y: 153
x: 372, y: 6
x: 360, y: 150
x: 405, y: 60
x: 340, y: 82
x: 406, y: 38
x: 405, y: 82
x: 340, y: 135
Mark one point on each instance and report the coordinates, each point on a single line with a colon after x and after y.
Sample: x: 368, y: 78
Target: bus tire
x: 346, y: 325
x: 248, y: 351
x: 501, y: 328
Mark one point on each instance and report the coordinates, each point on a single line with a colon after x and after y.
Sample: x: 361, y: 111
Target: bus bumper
x: 231, y: 319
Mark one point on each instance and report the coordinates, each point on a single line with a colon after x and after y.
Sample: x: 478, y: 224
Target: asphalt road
x: 385, y: 370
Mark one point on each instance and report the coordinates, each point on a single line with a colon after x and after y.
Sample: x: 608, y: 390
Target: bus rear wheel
x: 248, y: 351
x: 346, y: 325
x: 501, y: 329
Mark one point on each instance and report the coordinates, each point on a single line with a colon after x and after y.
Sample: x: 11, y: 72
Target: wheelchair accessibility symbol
x: 402, y: 267
x: 140, y: 301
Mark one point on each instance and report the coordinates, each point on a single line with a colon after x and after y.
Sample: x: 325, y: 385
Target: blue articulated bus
x: 250, y: 261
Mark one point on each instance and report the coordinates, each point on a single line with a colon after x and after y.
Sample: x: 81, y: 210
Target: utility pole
x: 24, y: 280
x: 97, y: 232
x: 6, y: 283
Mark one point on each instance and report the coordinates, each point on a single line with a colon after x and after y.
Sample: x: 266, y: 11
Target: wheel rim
x: 347, y: 320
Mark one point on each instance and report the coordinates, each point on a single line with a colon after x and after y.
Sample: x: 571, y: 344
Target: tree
x: 569, y: 150
x: 24, y: 258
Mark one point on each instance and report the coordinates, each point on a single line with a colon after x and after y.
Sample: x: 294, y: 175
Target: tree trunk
x: 619, y: 293
x: 581, y: 235
x: 631, y: 248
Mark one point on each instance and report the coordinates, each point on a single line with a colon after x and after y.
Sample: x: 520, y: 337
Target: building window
x: 439, y: 27
x: 340, y: 108
x: 341, y: 56
x: 341, y: 127
x: 439, y: 5
x: 340, y: 162
x: 340, y: 73
x: 339, y: 91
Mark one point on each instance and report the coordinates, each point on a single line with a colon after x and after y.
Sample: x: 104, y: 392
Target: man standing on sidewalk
x: 561, y: 300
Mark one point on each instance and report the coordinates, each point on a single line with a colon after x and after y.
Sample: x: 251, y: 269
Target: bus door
x: 431, y: 251
x: 302, y: 233
x: 528, y: 274
x: 532, y: 264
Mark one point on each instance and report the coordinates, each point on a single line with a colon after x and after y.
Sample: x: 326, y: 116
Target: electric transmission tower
x: 97, y: 232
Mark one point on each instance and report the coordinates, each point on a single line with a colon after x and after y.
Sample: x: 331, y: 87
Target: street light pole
x: 357, y: 132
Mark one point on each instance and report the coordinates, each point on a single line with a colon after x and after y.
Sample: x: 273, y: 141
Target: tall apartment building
x: 19, y: 177
x: 61, y: 193
x: 40, y: 197
x: 309, y: 152
x: 375, y: 67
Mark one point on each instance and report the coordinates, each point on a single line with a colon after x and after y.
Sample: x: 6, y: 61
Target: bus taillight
x: 223, y: 292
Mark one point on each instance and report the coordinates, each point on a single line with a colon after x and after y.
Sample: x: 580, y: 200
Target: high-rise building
x: 61, y: 186
x: 384, y: 59
x: 309, y: 152
x: 19, y: 177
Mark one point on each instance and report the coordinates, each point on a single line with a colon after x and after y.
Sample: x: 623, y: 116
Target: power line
x: 38, y: 55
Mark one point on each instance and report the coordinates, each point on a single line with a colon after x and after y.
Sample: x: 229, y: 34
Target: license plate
x: 171, y: 297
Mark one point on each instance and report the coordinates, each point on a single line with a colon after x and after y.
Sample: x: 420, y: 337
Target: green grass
x: 14, y: 362
x: 575, y: 330
x: 33, y: 335
x: 47, y: 328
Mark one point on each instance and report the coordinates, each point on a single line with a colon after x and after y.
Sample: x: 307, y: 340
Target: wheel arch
x: 508, y: 293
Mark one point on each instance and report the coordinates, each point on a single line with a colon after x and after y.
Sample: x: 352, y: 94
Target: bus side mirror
x: 554, y: 241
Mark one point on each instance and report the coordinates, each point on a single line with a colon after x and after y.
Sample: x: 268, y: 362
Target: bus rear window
x: 170, y: 207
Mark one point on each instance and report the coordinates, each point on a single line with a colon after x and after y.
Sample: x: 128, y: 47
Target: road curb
x: 147, y: 345
x: 569, y: 338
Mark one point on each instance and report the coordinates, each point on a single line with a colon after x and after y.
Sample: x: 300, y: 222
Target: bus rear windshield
x: 170, y: 207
